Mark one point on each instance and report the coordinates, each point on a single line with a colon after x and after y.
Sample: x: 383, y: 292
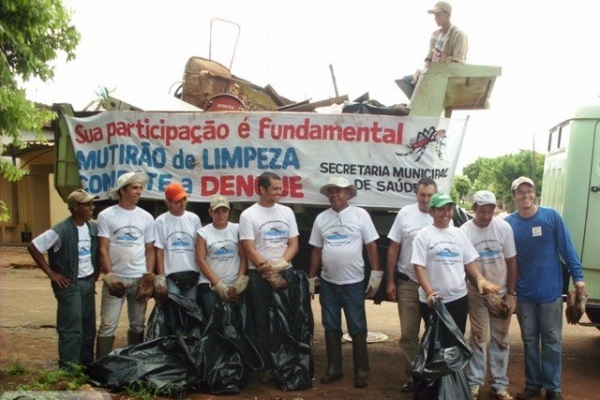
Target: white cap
x: 521, y: 180
x: 484, y: 197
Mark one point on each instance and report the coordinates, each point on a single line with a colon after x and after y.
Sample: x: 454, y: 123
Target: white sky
x: 546, y: 51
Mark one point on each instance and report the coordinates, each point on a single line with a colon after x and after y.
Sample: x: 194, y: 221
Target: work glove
x: 496, y: 307
x: 374, y: 282
x: 146, y: 287
x: 115, y: 286
x: 511, y: 302
x: 161, y: 292
x: 221, y: 290
x: 240, y: 284
x: 576, y: 302
x: 312, y: 283
x: 432, y: 297
x: 273, y: 274
x: 278, y: 264
x: 486, y: 287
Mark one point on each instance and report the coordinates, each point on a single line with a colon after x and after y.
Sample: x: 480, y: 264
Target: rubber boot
x: 361, y: 360
x: 104, y: 345
x: 333, y: 346
x: 134, y: 337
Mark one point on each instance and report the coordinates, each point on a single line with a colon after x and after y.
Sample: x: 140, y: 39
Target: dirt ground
x: 28, y: 336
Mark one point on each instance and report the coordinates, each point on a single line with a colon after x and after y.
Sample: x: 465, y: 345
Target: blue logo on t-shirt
x: 447, y: 253
x: 337, y: 236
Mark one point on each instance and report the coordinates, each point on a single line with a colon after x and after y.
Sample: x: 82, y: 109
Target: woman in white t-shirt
x: 220, y: 257
x: 441, y: 255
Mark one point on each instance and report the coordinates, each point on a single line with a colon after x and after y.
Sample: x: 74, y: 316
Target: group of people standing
x: 517, y: 259
x: 429, y: 259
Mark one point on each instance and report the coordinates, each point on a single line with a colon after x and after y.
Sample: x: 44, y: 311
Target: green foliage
x: 497, y: 174
x: 56, y: 380
x: 32, y: 33
x: 16, y: 369
x: 462, y: 185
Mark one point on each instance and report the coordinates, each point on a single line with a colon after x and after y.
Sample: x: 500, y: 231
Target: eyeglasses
x: 525, y: 192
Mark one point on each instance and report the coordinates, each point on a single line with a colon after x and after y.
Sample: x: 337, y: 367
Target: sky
x: 140, y: 48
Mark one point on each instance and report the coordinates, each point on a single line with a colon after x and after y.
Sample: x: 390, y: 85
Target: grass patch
x: 55, y: 380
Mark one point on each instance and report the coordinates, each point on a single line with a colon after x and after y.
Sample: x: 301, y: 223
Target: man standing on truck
x: 447, y: 44
x: 402, y: 285
x: 338, y: 237
x: 542, y: 240
x: 126, y: 257
x: 72, y: 268
x: 494, y: 241
x: 269, y: 235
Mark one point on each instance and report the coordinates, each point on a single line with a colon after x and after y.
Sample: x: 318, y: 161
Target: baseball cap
x: 80, y: 196
x: 219, y: 201
x: 128, y: 179
x: 521, y: 180
x: 440, y: 199
x: 484, y: 197
x: 175, y: 192
x: 441, y: 6
x: 338, y: 182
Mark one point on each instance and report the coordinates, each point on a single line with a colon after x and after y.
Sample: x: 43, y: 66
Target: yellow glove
x: 241, y: 284
x: 146, y: 287
x: 511, y: 302
x: 115, y: 286
x: 431, y: 298
x: 161, y: 292
x: 221, y: 290
x: 312, y: 283
x: 374, y: 283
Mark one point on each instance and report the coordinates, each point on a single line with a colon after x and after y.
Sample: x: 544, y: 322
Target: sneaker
x: 475, y: 391
x: 500, y: 395
x: 528, y: 393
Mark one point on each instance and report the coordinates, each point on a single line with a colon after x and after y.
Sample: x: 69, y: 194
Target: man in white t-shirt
x: 338, y: 236
x: 72, y: 250
x: 269, y: 235
x: 402, y: 285
x: 175, y: 241
x: 494, y: 241
x: 127, y: 258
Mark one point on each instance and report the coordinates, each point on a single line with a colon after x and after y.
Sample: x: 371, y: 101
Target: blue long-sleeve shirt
x: 541, y: 241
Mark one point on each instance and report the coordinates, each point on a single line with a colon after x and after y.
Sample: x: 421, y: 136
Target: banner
x: 223, y: 153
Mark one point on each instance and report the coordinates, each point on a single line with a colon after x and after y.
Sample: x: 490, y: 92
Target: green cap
x: 440, y: 199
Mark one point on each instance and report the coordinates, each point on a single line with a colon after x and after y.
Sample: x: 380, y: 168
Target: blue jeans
x: 482, y: 324
x: 350, y: 298
x: 76, y: 323
x: 542, y: 323
x: 110, y: 309
x: 191, y: 293
x: 208, y: 299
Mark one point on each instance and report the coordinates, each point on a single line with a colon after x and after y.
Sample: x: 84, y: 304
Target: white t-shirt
x: 176, y: 235
x: 128, y: 232
x: 51, y: 239
x: 494, y: 244
x: 444, y: 253
x: 270, y: 228
x: 222, y: 251
x: 342, y: 236
x: 408, y: 222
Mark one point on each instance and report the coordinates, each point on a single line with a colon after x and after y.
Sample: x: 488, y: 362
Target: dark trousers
x: 458, y: 309
x: 259, y: 294
x: 76, y: 323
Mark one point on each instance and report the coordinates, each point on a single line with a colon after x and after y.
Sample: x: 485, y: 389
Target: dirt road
x: 27, y: 335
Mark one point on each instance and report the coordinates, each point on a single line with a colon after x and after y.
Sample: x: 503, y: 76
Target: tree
x: 497, y: 174
x: 32, y: 34
x: 462, y: 184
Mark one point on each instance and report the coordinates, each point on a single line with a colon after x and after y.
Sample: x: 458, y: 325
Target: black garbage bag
x: 292, y: 332
x: 228, y: 348
x: 185, y: 352
x: 438, y: 368
x: 159, y: 365
x: 371, y: 106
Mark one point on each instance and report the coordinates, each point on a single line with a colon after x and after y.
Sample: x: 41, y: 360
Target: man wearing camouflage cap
x: 72, y: 268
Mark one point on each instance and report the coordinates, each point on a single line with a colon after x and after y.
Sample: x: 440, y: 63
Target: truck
x: 572, y: 186
x: 222, y: 152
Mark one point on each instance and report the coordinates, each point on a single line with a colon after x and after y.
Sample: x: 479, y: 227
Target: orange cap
x: 175, y: 192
